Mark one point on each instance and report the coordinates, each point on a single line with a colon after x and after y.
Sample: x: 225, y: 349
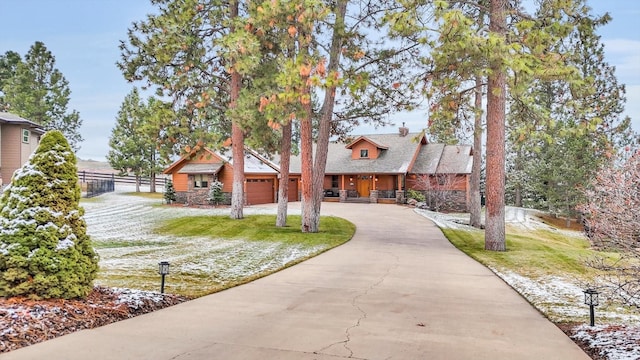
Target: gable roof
x: 9, y: 118
x: 208, y: 168
x: 399, y: 155
x: 253, y: 163
x: 444, y: 159
x: 369, y: 140
x: 396, y: 156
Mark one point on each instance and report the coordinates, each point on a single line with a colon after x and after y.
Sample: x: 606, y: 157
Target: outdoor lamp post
x: 591, y: 299
x: 163, y: 269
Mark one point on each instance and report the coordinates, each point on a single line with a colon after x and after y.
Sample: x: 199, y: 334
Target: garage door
x: 259, y: 191
x: 293, y: 190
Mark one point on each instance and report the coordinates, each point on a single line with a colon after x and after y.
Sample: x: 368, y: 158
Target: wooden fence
x: 97, y: 183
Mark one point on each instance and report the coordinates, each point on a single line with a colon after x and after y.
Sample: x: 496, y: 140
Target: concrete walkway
x: 397, y: 290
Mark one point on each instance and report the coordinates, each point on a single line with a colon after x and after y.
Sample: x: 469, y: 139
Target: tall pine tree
x: 38, y: 91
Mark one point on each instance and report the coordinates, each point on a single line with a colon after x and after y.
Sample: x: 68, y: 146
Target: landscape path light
x: 163, y: 269
x: 591, y: 299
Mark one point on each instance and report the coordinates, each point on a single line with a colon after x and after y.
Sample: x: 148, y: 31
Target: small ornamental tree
x: 44, y: 249
x: 216, y: 195
x: 612, y: 222
x: 169, y: 192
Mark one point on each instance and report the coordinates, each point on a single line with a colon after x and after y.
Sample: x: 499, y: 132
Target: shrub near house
x: 44, y: 249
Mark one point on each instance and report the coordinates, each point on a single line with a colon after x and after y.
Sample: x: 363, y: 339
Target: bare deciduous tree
x: 441, y: 190
x: 612, y: 222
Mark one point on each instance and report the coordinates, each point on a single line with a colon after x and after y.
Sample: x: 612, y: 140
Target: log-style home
x: 377, y: 168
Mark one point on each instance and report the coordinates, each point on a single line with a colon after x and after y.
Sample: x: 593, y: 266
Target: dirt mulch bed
x: 24, y: 322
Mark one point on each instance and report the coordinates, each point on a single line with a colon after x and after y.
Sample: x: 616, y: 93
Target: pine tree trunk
x: 324, y: 128
x: 152, y: 183
x: 306, y: 155
x: 496, y: 101
x: 237, y: 149
x: 152, y: 175
x: 237, y: 139
x: 283, y: 187
x: 475, y: 203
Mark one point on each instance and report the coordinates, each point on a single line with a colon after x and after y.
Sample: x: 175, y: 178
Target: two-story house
x: 18, y: 140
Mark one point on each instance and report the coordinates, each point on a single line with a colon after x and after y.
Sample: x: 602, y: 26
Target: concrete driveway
x: 397, y: 290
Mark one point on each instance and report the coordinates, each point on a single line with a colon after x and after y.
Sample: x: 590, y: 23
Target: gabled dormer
x: 364, y: 148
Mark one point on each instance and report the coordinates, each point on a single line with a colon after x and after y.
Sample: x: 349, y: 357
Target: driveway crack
x: 363, y: 313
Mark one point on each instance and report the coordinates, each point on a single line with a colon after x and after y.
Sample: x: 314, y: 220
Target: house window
x: 442, y: 179
x: 200, y: 181
x: 26, y: 134
x: 364, y: 153
x: 334, y: 181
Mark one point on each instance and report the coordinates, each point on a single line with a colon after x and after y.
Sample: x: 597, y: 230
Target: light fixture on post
x: 163, y: 269
x: 591, y: 299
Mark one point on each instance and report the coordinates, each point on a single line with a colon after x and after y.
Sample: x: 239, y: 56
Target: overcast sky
x: 83, y: 35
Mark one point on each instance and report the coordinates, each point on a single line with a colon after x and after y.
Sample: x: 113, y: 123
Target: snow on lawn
x: 561, y: 299
x: 121, y: 228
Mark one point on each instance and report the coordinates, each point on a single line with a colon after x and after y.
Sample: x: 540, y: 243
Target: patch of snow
x: 27, y: 170
x: 66, y: 243
x: 135, y: 299
x: 614, y: 342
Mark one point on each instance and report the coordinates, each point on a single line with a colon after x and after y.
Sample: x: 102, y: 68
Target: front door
x: 363, y: 185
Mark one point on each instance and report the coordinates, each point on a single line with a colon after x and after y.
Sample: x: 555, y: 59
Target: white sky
x: 83, y: 35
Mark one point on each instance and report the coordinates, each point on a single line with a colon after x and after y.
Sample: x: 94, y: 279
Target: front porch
x: 365, y: 188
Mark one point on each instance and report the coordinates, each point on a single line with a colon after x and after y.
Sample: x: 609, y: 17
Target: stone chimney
x: 403, y: 130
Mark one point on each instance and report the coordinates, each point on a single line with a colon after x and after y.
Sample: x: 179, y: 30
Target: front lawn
x: 207, y: 250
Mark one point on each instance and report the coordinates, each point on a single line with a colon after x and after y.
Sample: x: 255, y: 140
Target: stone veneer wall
x: 199, y: 197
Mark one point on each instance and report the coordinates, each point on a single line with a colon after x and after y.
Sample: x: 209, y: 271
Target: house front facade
x: 379, y: 168
x: 19, y: 138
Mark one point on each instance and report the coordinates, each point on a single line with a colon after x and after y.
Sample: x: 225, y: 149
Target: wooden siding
x: 364, y: 145
x: 11, y: 150
x: 225, y: 176
x: 180, y: 181
x: 386, y: 182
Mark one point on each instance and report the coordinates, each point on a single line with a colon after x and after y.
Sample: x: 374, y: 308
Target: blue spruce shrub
x: 45, y: 251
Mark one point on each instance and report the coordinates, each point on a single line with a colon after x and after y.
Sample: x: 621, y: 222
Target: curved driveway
x: 397, y: 290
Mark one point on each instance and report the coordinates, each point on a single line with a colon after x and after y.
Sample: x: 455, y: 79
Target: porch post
x: 400, y: 191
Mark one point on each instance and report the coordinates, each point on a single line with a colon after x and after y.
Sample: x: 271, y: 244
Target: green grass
x: 146, y: 195
x: 529, y: 252
x: 126, y: 243
x: 333, y: 231
x: 210, y: 253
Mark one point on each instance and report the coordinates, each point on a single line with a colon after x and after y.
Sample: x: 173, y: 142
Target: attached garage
x: 195, y: 172
x: 259, y: 191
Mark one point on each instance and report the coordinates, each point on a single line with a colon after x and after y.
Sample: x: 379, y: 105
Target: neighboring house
x: 192, y: 174
x: 371, y: 168
x: 18, y: 140
x: 380, y: 168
